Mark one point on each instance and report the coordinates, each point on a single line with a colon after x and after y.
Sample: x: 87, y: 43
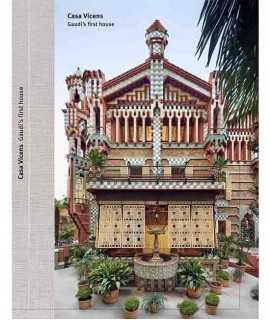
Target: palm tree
x: 95, y: 158
x: 219, y: 164
x: 232, y: 26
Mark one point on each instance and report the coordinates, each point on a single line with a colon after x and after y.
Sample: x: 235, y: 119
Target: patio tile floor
x: 235, y: 301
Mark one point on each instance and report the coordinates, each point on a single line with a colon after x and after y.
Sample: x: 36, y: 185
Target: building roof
x: 156, y: 26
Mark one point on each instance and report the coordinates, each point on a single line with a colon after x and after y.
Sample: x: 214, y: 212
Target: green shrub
x: 192, y: 274
x: 82, y: 258
x: 225, y: 246
x: 131, y: 303
x: 67, y: 233
x: 84, y: 293
x: 241, y: 250
x: 108, y: 275
x: 212, y: 299
x: 187, y: 307
x: 223, y: 275
x: 77, y: 252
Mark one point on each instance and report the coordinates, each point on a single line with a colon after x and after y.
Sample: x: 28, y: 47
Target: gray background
x: 33, y: 197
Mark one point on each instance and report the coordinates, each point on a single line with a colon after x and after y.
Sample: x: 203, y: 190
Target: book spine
x: 32, y: 143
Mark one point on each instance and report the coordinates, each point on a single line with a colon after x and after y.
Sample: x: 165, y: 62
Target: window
x: 135, y: 171
x: 178, y: 172
x: 222, y: 227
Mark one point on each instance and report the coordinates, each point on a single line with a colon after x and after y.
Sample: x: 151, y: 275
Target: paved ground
x: 235, y: 302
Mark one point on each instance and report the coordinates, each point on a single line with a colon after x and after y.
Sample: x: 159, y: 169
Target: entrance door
x: 156, y: 217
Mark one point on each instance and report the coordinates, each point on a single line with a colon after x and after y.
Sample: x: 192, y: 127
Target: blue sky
x: 117, y: 49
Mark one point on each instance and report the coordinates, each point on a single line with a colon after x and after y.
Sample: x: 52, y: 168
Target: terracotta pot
x: 225, y: 283
x: 153, y: 308
x: 82, y: 285
x: 194, y: 293
x: 237, y: 280
x: 212, y: 310
x: 225, y: 263
x: 185, y: 316
x: 85, y: 304
x: 215, y: 288
x: 131, y: 314
x: 111, y: 297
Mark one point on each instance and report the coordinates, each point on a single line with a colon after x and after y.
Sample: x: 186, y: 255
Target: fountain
x: 156, y: 272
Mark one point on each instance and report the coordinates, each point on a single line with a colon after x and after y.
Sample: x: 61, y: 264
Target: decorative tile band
x: 135, y: 161
x: 152, y: 185
x: 221, y: 216
x: 181, y: 161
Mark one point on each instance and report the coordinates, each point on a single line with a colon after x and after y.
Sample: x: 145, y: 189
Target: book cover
x: 135, y: 159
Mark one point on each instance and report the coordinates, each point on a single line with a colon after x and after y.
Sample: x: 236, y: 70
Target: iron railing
x: 155, y: 173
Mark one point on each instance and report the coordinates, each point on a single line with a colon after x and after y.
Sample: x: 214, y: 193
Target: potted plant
x: 225, y: 249
x: 211, y: 301
x: 237, y: 275
x: 66, y: 234
x: 84, y: 298
x: 215, y: 286
x: 107, y: 276
x: 219, y: 164
x: 224, y: 277
x: 153, y: 302
x: 82, y: 257
x: 187, y: 308
x: 96, y: 159
x: 131, y: 307
x: 241, y: 252
x: 193, y: 277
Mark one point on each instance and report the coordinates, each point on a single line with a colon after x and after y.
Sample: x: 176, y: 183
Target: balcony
x: 147, y: 177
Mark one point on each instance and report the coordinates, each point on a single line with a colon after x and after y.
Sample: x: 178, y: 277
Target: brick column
x: 187, y: 129
x: 143, y: 129
x: 134, y: 128
x: 117, y: 128
x: 179, y: 128
x: 232, y: 149
x: 246, y: 150
x: 126, y: 128
x: 239, y: 150
x: 197, y: 129
x: 170, y: 128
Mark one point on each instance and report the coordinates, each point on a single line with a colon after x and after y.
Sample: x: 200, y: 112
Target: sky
x: 117, y: 49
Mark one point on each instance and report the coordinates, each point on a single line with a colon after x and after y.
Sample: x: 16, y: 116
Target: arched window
x: 165, y: 129
x: 122, y: 129
x: 148, y: 129
x: 174, y: 129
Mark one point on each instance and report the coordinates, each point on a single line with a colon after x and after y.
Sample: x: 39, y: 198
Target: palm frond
x: 231, y: 27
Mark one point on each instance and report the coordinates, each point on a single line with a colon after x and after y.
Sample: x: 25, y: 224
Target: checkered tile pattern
x: 156, y: 78
x: 156, y: 139
x: 221, y: 216
x: 151, y: 185
x: 135, y: 161
x: 178, y: 161
x: 221, y: 203
x: 93, y: 212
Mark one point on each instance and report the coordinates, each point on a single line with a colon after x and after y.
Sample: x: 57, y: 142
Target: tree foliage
x: 232, y: 26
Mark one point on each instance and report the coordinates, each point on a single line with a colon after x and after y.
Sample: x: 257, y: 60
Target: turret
x: 75, y: 86
x: 156, y: 39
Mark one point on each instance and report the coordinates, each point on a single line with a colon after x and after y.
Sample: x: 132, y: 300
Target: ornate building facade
x: 161, y: 129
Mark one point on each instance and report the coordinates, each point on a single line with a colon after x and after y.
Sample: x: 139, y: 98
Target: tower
x: 156, y: 39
